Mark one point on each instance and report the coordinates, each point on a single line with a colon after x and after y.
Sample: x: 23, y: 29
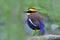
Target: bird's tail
x: 41, y: 26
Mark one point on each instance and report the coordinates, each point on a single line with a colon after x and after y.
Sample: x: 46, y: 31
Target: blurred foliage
x: 12, y: 26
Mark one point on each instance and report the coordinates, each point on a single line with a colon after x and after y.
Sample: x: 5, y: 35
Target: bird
x: 35, y: 20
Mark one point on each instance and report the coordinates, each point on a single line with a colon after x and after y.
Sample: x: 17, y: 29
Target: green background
x: 12, y: 26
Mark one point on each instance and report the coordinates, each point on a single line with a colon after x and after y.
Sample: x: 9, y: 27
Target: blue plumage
x: 40, y: 27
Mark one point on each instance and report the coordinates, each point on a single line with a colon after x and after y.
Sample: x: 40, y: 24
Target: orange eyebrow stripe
x: 33, y: 9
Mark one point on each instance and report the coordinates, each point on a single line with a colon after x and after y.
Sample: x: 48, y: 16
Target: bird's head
x: 30, y: 11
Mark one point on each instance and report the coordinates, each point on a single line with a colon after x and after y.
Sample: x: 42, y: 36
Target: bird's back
x: 36, y: 18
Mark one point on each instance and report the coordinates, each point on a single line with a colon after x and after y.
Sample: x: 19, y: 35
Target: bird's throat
x: 28, y: 13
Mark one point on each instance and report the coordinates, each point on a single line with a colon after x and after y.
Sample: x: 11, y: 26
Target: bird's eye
x: 30, y: 12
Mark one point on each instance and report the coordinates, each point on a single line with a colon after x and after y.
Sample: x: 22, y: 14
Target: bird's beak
x: 26, y: 11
